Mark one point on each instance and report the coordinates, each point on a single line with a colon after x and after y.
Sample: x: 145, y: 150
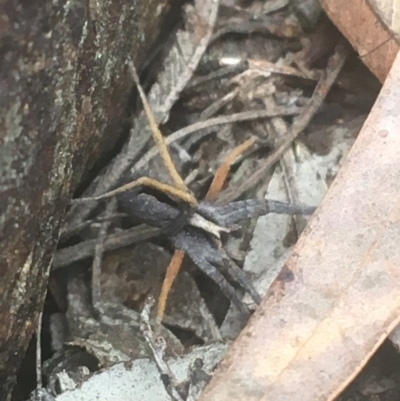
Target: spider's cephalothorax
x: 186, y: 235
x: 156, y: 209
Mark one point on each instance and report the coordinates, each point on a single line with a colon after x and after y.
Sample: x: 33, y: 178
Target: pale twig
x: 217, y: 74
x: 158, y: 347
x: 39, y: 382
x: 40, y: 393
x: 147, y: 182
x: 218, y: 104
x: 213, y: 108
x: 83, y: 250
x: 98, y: 255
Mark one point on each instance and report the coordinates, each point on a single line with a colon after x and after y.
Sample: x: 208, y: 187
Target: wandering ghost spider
x: 193, y: 227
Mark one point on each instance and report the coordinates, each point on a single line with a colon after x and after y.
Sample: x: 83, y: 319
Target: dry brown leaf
x: 338, y: 296
x: 370, y: 26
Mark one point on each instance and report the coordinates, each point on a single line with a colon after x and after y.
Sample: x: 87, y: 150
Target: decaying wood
x: 337, y: 297
x: 64, y: 87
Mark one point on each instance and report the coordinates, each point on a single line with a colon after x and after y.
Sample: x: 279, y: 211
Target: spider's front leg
x: 201, y: 249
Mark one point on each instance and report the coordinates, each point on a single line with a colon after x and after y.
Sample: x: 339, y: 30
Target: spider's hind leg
x: 238, y: 275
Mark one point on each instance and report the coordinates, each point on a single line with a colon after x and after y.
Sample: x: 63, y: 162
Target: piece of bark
x: 64, y: 87
x: 337, y: 297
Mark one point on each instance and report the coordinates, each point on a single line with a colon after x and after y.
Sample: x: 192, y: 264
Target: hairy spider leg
x: 212, y: 193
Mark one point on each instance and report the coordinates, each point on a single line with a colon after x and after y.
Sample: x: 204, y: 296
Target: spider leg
x: 240, y: 277
x: 207, y: 268
x: 176, y: 263
x: 278, y: 207
x: 226, y: 288
x: 234, y: 212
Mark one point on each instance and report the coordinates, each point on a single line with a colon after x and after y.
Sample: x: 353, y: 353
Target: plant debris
x: 237, y: 95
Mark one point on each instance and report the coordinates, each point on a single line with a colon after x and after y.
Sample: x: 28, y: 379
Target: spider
x: 194, y: 228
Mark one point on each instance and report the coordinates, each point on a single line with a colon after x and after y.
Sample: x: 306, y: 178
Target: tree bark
x: 64, y: 86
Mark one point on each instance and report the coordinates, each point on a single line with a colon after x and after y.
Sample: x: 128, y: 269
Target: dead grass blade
x: 338, y: 296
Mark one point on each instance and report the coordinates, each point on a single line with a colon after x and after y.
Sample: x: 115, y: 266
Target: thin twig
x: 98, y: 254
x: 218, y: 104
x: 157, y: 347
x: 171, y: 273
x: 279, y: 127
x: 39, y: 382
x: 222, y: 173
x: 84, y: 250
x: 147, y: 182
x: 212, y: 122
x: 264, y: 66
x: 213, y: 108
x: 217, y: 74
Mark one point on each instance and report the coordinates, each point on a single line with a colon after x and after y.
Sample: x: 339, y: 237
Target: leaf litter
x: 225, y: 81
x: 336, y: 299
